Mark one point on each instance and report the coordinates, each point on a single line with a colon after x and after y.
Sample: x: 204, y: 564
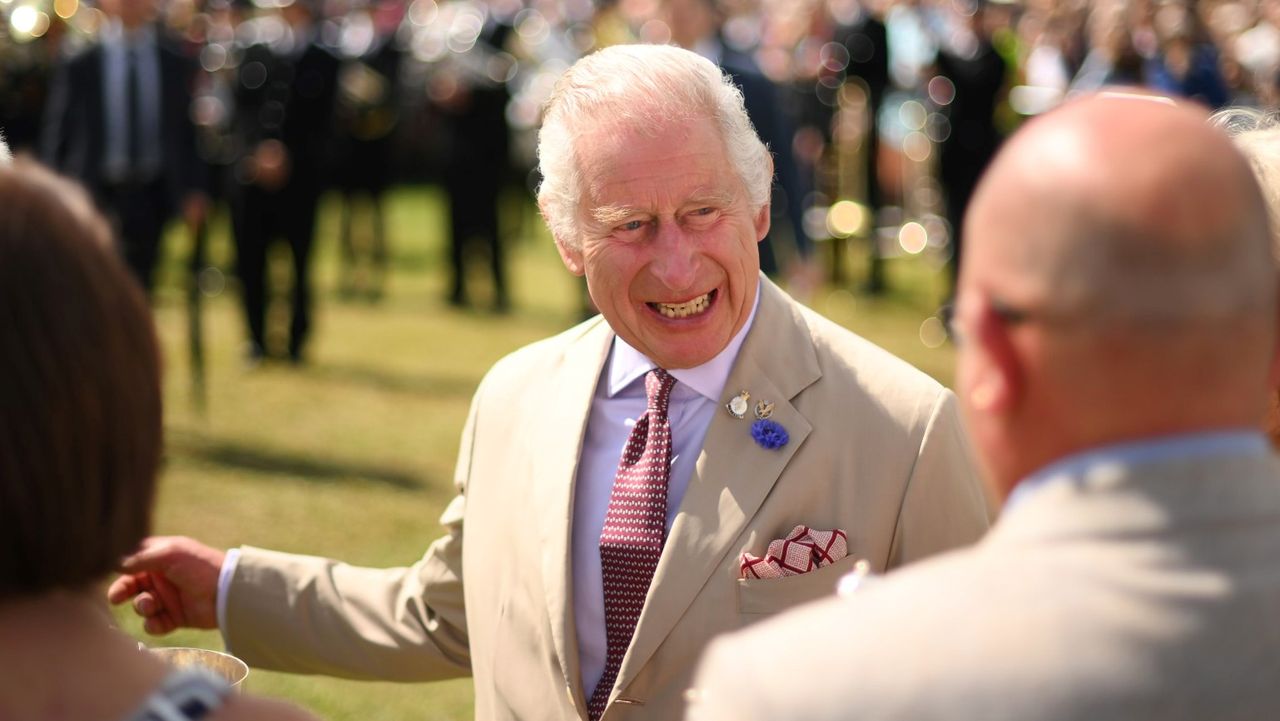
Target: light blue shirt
x: 619, y: 401
x: 116, y: 48
x: 1185, y: 446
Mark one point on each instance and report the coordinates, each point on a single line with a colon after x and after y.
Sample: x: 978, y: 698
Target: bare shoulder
x: 254, y: 708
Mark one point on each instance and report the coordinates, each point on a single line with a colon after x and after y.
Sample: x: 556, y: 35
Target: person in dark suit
x: 473, y: 102
x: 977, y: 72
x: 284, y: 119
x: 368, y: 113
x: 695, y: 25
x: 107, y: 107
x: 866, y: 39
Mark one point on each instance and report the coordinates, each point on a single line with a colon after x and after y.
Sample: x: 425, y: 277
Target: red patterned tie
x: 634, y: 529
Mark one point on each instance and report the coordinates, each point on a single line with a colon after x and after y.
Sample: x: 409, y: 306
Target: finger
x: 169, y: 599
x: 122, y: 589
x: 158, y: 625
x: 150, y: 556
x: 146, y: 605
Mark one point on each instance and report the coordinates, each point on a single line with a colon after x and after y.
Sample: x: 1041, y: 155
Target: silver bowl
x: 224, y: 665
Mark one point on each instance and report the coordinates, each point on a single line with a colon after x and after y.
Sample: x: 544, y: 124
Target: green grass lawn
x: 352, y: 454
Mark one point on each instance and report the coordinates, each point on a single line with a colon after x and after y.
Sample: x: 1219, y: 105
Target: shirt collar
x: 1177, y: 447
x: 626, y: 364
x: 113, y: 33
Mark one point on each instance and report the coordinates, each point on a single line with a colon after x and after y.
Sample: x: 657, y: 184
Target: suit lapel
x: 733, y: 474
x: 557, y: 449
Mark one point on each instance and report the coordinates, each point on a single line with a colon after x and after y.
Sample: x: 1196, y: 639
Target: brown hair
x: 80, y: 418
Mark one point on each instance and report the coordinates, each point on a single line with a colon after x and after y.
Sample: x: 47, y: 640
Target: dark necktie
x: 634, y: 529
x: 133, y: 102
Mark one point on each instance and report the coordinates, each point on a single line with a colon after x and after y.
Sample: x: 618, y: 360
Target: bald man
x: 1116, y: 328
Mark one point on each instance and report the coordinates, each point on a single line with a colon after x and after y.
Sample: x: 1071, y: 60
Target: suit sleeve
x: 191, y: 173
x: 304, y: 614
x: 944, y: 505
x: 53, y: 133
x: 727, y: 685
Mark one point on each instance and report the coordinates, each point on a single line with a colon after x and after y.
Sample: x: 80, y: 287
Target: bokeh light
x: 834, y: 57
x: 23, y: 20
x: 913, y: 238
x: 941, y: 91
x: 423, y: 12
x: 847, y: 218
x: 933, y: 333
x: 938, y: 127
x: 913, y: 115
x: 917, y: 146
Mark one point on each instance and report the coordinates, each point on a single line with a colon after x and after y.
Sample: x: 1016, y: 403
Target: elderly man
x: 588, y: 585
x: 1117, y: 328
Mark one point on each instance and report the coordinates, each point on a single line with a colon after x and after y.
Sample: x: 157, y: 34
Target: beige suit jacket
x: 875, y: 450
x: 1119, y: 594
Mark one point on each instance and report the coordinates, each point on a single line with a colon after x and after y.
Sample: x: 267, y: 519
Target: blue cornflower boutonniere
x: 769, y: 434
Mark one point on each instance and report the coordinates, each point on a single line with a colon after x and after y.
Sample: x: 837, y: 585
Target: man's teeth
x: 686, y: 309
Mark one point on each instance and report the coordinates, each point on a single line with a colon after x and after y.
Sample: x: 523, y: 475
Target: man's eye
x: 632, y: 225
x: 704, y: 211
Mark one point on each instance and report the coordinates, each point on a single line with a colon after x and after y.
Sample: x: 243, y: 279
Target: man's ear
x: 570, y: 253
x: 572, y: 257
x: 762, y: 221
x: 995, y: 386
x: 763, y: 217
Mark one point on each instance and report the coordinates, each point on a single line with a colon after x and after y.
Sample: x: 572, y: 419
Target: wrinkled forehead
x: 669, y: 157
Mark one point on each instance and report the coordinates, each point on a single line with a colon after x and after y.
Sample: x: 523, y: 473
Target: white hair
x: 6, y: 157
x: 640, y: 88
x: 1257, y: 135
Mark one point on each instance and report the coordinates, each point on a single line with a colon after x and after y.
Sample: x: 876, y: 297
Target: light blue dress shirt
x: 619, y: 401
x: 1184, y: 446
x: 116, y: 48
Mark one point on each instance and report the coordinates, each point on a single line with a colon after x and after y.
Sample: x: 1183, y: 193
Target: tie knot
x: 657, y: 386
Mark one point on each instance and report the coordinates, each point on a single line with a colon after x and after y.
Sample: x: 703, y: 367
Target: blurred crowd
x: 881, y: 114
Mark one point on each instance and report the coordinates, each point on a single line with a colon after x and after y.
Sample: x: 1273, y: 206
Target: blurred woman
x: 80, y: 445
x: 1257, y: 135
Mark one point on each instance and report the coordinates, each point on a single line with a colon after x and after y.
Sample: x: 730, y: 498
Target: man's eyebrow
x: 612, y: 214
x: 718, y: 197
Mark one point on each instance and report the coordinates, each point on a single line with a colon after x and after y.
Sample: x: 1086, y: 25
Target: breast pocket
x: 771, y: 595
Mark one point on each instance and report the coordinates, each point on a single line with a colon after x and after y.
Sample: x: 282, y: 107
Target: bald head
x: 1123, y: 208
x: 1120, y: 268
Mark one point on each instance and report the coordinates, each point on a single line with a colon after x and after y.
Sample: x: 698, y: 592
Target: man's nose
x: 675, y: 261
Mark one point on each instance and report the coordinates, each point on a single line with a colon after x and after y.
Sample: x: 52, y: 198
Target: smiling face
x: 667, y: 240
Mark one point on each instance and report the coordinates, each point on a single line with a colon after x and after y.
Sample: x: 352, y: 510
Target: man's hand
x: 271, y: 165
x: 173, y: 582
x: 195, y: 208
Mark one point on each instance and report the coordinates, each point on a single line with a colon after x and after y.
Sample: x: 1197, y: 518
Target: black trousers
x: 260, y: 218
x: 138, y: 212
x: 473, y: 216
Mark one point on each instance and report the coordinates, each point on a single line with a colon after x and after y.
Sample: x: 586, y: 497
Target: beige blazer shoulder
x: 1121, y: 594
